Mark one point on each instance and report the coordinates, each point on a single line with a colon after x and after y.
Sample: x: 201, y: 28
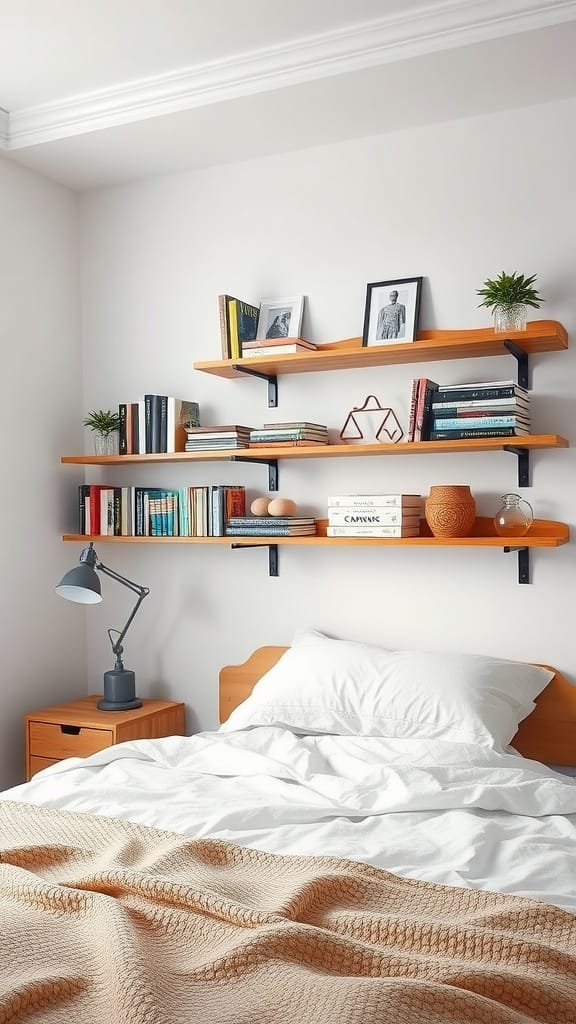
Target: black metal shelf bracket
x: 272, y: 469
x: 271, y: 379
x: 523, y: 564
x: 521, y: 358
x: 272, y: 555
x: 523, y: 455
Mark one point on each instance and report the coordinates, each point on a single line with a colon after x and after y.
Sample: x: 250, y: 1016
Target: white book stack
x: 374, y: 515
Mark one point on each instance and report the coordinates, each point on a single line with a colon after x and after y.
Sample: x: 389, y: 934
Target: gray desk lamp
x: 82, y: 585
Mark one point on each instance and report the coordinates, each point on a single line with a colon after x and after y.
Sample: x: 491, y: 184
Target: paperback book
x: 375, y: 500
x: 375, y: 517
x: 373, y: 531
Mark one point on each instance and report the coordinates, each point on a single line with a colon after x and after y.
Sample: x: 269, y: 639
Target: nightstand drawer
x: 47, y: 739
x: 38, y: 763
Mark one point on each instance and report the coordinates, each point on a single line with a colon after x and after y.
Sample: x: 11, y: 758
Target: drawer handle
x: 70, y: 730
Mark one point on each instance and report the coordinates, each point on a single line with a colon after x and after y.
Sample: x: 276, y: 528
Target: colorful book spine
x: 413, y: 406
x: 122, y: 429
x: 271, y: 531
x: 482, y: 391
x: 479, y: 432
x: 455, y: 423
x: 446, y: 401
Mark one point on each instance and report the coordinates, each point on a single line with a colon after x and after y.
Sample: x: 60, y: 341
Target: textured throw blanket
x: 107, y: 922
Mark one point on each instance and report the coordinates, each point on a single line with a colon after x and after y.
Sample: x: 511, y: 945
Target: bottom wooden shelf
x: 544, y: 533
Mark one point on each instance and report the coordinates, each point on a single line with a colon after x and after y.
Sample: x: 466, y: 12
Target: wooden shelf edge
x: 539, y: 336
x: 543, y: 533
x: 530, y: 441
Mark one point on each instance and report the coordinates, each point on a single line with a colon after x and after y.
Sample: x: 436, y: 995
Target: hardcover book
x: 478, y: 432
x: 374, y: 517
x: 243, y: 323
x: 270, y: 531
x: 374, y: 500
x: 373, y: 531
x: 288, y: 348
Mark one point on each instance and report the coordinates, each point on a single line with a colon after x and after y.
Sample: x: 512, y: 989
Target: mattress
x: 438, y: 811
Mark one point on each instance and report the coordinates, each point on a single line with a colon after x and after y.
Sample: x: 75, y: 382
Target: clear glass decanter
x: 514, y: 517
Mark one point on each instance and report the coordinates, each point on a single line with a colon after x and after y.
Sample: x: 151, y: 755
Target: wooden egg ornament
x: 259, y: 506
x: 282, y: 507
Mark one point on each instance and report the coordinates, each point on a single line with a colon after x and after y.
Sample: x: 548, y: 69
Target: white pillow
x: 350, y: 688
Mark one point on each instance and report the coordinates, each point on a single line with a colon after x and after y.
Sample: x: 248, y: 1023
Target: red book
x: 235, y: 501
x: 95, y: 507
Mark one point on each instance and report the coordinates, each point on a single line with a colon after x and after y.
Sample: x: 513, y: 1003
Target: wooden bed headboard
x: 548, y: 734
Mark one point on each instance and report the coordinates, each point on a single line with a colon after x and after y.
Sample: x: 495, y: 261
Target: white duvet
x: 445, y: 812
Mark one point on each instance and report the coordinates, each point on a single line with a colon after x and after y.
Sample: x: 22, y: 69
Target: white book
x: 374, y: 500
x: 471, y: 386
x: 276, y: 350
x: 373, y: 517
x: 372, y: 531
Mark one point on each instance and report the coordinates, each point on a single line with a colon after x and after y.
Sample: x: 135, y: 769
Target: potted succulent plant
x: 105, y: 424
x: 508, y: 296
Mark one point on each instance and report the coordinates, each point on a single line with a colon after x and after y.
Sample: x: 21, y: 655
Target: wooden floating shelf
x: 543, y: 533
x: 539, y: 336
x: 487, y: 444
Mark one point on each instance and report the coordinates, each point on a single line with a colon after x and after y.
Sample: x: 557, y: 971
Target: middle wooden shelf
x: 519, y: 446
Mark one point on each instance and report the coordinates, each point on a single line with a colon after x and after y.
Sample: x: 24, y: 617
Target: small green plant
x: 509, y: 290
x: 103, y: 421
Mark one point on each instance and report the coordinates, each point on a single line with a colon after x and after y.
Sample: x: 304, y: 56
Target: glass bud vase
x: 512, y: 317
x: 515, y: 516
x: 106, y: 444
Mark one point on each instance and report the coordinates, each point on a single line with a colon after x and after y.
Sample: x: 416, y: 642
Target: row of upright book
x: 374, y: 515
x: 498, y: 408
x: 230, y: 436
x: 155, y: 424
x: 204, y: 511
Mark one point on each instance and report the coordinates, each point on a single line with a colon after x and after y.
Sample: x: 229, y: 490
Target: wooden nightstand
x: 78, y: 728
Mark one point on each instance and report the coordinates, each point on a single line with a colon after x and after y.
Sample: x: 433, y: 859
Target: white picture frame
x: 280, y: 318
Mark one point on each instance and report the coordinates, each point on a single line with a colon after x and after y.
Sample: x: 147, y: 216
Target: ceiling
x: 94, y: 94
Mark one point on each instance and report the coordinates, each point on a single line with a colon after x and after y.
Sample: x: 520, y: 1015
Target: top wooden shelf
x: 539, y: 336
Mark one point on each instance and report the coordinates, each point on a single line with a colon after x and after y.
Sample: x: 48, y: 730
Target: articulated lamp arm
x: 90, y: 557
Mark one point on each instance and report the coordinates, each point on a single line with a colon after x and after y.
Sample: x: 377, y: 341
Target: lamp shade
x: 81, y: 584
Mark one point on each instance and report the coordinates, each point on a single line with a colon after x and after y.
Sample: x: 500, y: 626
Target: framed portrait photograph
x: 392, y: 310
x: 280, y: 318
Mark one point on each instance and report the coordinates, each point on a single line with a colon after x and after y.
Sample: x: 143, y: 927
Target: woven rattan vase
x: 450, y: 510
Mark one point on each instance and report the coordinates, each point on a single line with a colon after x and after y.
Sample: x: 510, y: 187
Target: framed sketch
x: 392, y: 310
x: 280, y: 318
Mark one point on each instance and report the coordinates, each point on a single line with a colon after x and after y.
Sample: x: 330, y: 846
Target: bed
x: 391, y: 854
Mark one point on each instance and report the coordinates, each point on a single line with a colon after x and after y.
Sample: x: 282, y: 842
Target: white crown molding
x: 437, y: 26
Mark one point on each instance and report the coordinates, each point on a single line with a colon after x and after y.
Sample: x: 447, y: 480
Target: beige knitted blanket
x: 107, y: 922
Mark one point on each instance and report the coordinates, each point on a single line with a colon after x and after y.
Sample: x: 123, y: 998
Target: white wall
x: 456, y: 203
x: 42, y: 641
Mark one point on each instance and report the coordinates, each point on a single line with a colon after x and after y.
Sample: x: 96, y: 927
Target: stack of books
x: 374, y: 515
x: 270, y: 526
x: 294, y: 432
x: 498, y: 408
x: 202, y: 439
x: 278, y: 347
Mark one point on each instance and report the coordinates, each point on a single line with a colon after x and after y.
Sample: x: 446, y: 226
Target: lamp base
x: 127, y: 705
x: 119, y: 691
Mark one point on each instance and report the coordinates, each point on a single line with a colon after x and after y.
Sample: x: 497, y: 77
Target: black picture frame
x: 400, y: 323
